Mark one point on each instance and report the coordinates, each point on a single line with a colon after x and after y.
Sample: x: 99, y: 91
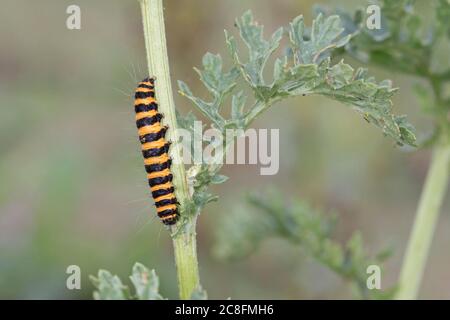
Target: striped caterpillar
x: 155, y: 151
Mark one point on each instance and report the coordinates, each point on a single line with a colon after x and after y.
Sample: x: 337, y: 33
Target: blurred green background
x: 73, y: 188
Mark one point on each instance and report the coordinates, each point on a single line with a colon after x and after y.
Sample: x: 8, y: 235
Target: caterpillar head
x: 150, y: 79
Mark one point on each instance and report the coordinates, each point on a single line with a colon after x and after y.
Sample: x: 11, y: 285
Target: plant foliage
x: 145, y: 283
x: 311, y: 230
x: 408, y: 43
x: 305, y: 68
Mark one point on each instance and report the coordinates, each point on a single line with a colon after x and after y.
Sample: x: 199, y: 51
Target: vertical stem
x: 185, y: 248
x: 425, y: 223
x: 184, y: 241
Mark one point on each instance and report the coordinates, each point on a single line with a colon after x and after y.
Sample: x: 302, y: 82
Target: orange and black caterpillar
x: 155, y: 151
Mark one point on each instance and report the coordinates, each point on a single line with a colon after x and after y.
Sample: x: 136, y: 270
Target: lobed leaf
x: 108, y: 287
x: 259, y: 51
x: 305, y: 68
x: 325, y: 35
x: 146, y: 283
x: 209, y: 109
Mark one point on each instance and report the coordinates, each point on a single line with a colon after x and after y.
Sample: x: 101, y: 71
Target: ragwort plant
x: 405, y: 43
x: 410, y: 44
x: 304, y: 68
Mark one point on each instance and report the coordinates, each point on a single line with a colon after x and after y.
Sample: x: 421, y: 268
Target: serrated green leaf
x: 218, y: 179
x: 304, y: 68
x: 311, y: 73
x: 201, y: 198
x: 108, y: 287
x: 340, y: 75
x: 326, y: 34
x: 146, y: 283
x: 298, y: 80
x: 406, y: 131
x: 207, y: 108
x: 340, y: 82
x: 259, y: 51
x: 220, y: 84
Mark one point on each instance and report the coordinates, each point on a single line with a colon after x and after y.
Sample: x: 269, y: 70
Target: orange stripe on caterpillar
x: 148, y: 100
x: 145, y: 114
x: 154, y: 128
x: 155, y: 160
x: 167, y: 185
x: 168, y: 207
x: 154, y: 144
x: 166, y: 197
x: 158, y: 174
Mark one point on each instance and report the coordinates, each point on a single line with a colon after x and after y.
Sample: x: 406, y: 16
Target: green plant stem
x: 184, y: 241
x: 425, y: 223
x: 185, y: 248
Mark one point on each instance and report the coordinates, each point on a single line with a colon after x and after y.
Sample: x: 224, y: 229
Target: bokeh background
x: 72, y: 185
